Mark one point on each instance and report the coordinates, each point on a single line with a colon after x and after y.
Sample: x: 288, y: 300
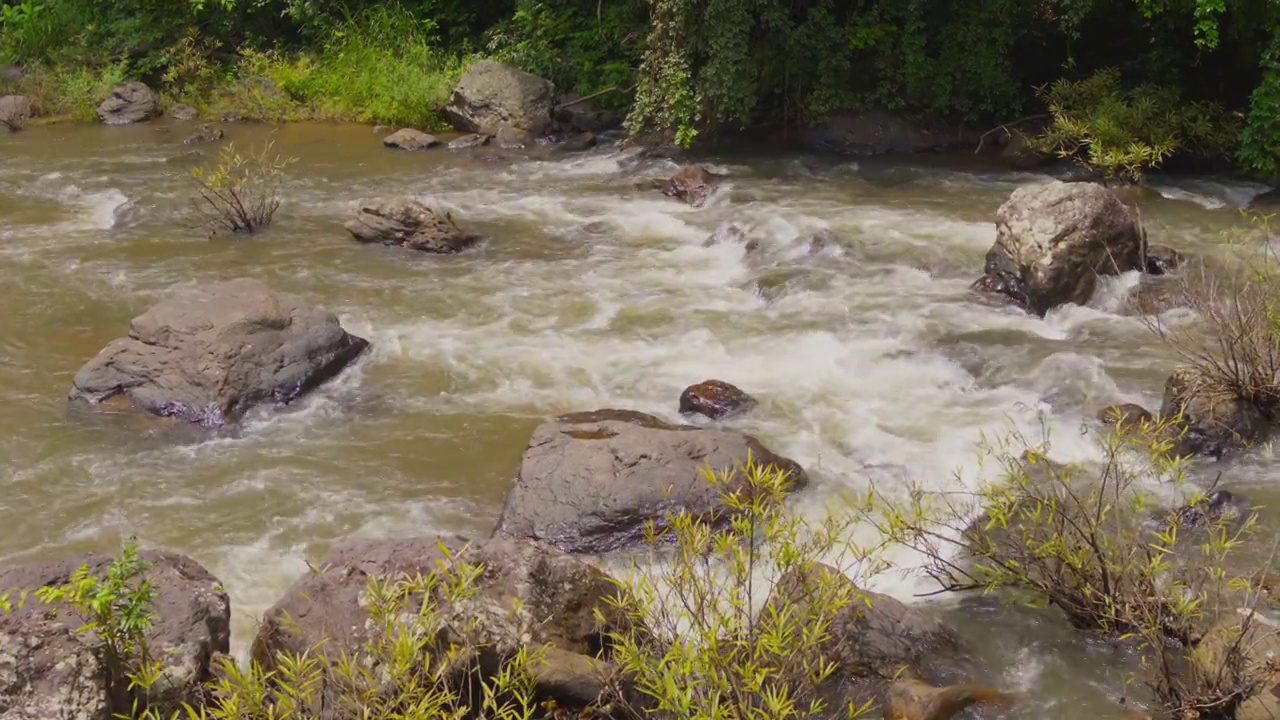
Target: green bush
x: 1122, y: 133
x: 240, y: 193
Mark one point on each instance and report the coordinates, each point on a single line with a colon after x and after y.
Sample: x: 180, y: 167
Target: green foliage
x: 1122, y: 133
x: 1260, y: 140
x: 240, y: 193
x: 699, y: 646
x: 1092, y: 542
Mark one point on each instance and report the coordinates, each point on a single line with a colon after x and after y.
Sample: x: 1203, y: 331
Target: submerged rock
x: 1214, y: 506
x: 492, y: 93
x: 525, y: 595
x: 408, y: 223
x: 1055, y: 239
x: 715, y: 399
x: 467, y: 142
x: 15, y: 111
x: 691, y: 183
x: 210, y: 353
x: 913, y: 699
x: 410, y: 139
x: 204, y: 134
x: 129, y: 103
x: 49, y: 669
x: 183, y: 112
x: 1215, y: 420
x: 590, y: 482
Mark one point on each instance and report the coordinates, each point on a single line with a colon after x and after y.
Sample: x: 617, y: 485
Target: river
x: 872, y: 361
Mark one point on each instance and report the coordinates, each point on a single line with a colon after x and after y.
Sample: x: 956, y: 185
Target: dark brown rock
x: 578, y: 143
x: 50, y: 670
x: 210, y: 353
x: 410, y: 139
x: 913, y: 699
x: 526, y: 595
x: 1153, y: 296
x: 591, y: 482
x: 1128, y: 415
x: 467, y: 142
x: 691, y: 183
x: 1215, y: 419
x: 1055, y: 239
x: 408, y: 223
x: 1163, y: 260
x: 715, y: 399
x: 129, y: 103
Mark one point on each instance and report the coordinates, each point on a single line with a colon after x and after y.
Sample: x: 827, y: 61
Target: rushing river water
x: 872, y: 361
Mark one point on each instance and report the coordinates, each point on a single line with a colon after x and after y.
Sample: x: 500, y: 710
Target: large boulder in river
x: 691, y: 183
x: 1214, y: 419
x: 405, y: 222
x: 592, y: 482
x: 1055, y: 239
x: 49, y: 669
x: 15, y: 111
x: 491, y: 93
x: 129, y: 103
x: 410, y: 139
x: 526, y: 594
x: 209, y: 353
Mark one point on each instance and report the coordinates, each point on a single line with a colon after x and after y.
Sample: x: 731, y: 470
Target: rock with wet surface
x: 49, y: 670
x: 1163, y: 260
x: 1055, y: 239
x: 492, y: 93
x: 204, y: 134
x: 1258, y: 639
x: 1215, y: 419
x: 1210, y: 509
x: 183, y: 112
x: 410, y: 139
x: 466, y: 142
x: 590, y: 482
x: 715, y: 399
x: 510, y: 137
x: 210, y: 353
x: 526, y: 595
x: 691, y: 183
x: 405, y: 222
x: 129, y: 103
x: 15, y: 111
x: 913, y: 699
x: 1128, y: 416
x: 578, y: 143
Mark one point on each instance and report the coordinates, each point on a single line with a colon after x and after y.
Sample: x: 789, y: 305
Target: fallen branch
x: 1005, y: 127
x: 607, y: 90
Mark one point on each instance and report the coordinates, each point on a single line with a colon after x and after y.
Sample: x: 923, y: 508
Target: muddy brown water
x: 871, y: 360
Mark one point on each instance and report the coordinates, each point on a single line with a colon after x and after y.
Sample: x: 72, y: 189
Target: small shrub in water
x: 240, y: 193
x: 700, y: 644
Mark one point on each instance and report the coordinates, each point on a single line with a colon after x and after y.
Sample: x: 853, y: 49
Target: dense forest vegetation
x: 1155, y: 78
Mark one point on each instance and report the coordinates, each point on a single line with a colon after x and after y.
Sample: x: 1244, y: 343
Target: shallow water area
x: 871, y: 359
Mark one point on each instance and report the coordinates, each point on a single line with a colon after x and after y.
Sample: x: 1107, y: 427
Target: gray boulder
x: 210, y: 353
x: 526, y: 595
x: 491, y: 93
x: 591, y: 482
x: 404, y: 222
x: 129, y: 103
x: 510, y: 137
x: 410, y: 139
x: 183, y: 112
x: 1055, y: 239
x: 466, y: 142
x: 49, y: 670
x: 15, y: 111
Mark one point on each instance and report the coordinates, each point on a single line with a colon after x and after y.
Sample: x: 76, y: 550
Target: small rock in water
x: 204, y: 134
x: 15, y: 110
x: 405, y: 222
x: 410, y: 139
x: 1128, y: 416
x: 511, y: 138
x: 691, y: 183
x: 1162, y: 260
x: 183, y: 111
x: 129, y: 103
x: 382, y: 129
x: 912, y: 699
x: 1212, y: 507
x: 578, y: 143
x: 715, y: 399
x: 468, y: 141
